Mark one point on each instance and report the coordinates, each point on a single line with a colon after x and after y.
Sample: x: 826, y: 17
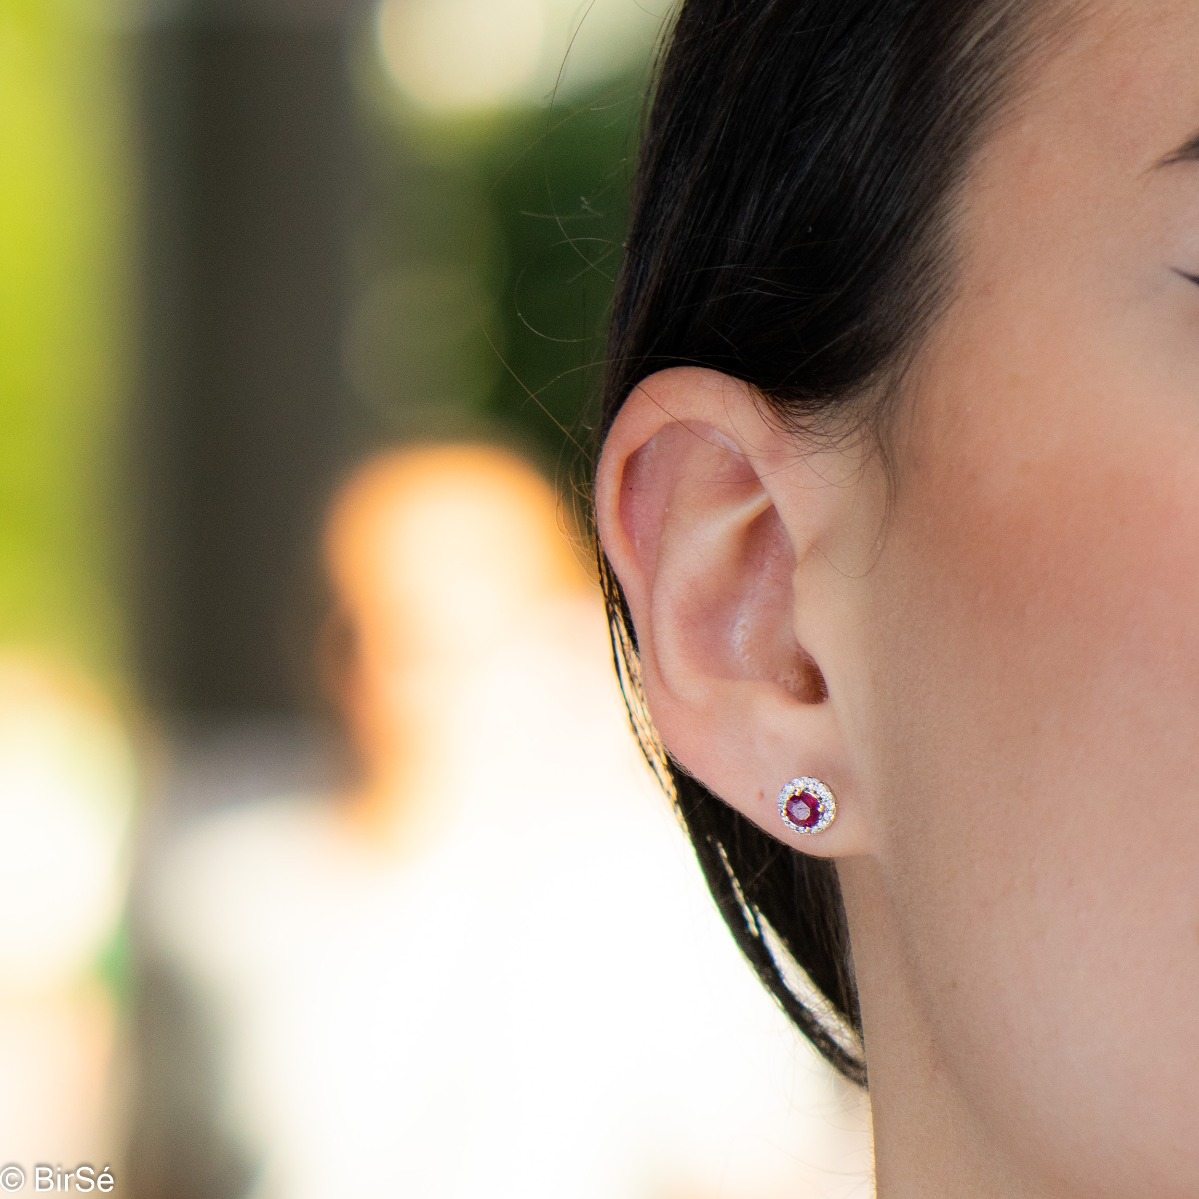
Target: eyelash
x: 1189, y: 278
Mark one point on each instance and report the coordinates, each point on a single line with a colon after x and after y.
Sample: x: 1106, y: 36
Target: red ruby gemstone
x: 803, y: 809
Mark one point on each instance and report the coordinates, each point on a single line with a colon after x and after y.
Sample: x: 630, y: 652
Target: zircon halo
x: 807, y: 806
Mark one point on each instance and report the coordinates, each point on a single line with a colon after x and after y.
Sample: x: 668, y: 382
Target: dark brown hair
x: 792, y: 225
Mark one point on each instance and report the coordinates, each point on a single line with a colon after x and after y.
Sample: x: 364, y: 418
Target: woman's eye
x: 1188, y: 276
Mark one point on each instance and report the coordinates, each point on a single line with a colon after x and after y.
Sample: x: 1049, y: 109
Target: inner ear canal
x: 804, y: 680
x: 764, y: 633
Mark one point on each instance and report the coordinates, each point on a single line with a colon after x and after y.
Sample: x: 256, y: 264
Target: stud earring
x: 807, y: 805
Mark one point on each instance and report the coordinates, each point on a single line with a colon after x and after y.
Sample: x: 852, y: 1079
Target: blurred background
x: 329, y: 864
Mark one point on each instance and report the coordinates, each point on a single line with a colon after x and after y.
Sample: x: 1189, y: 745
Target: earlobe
x: 711, y: 519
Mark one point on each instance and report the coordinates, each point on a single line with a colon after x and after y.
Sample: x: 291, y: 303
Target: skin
x: 1006, y: 628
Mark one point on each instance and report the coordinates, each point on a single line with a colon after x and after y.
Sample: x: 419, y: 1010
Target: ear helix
x: 807, y: 806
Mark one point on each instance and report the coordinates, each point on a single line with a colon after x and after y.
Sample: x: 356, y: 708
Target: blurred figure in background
x: 67, y: 785
x: 437, y: 559
x: 479, y: 972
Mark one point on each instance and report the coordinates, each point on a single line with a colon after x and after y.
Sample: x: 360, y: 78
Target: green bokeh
x: 64, y: 331
x: 507, y: 228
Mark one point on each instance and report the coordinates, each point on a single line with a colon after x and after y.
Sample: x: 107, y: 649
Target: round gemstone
x: 803, y: 809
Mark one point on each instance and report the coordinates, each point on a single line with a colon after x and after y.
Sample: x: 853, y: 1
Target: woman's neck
x: 929, y: 1141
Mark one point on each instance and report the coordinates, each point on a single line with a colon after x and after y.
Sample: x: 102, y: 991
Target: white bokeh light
x: 461, y: 54
x: 66, y: 790
x: 471, y: 55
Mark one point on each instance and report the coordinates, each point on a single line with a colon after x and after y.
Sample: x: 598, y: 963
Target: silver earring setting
x: 807, y: 806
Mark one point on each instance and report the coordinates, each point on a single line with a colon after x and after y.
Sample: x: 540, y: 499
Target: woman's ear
x: 724, y: 532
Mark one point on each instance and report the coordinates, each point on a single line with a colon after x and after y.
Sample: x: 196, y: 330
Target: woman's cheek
x: 1037, y: 643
